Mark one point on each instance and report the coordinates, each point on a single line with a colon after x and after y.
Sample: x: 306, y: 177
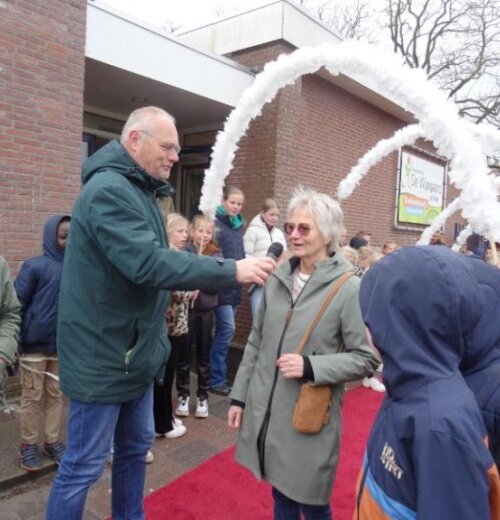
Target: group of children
x: 192, y: 316
x: 189, y: 321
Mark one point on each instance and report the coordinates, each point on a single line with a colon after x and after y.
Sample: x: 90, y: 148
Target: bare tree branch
x: 456, y: 42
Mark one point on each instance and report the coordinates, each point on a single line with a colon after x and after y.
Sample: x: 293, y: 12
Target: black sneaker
x: 29, y: 457
x: 55, y: 451
x: 220, y: 390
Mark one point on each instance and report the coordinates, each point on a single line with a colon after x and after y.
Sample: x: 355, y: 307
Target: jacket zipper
x: 127, y: 360
x: 261, y: 438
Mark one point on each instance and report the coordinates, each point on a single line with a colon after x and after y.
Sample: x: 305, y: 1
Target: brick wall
x: 41, y: 105
x: 317, y: 132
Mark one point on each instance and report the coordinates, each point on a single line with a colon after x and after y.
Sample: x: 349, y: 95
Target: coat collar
x: 324, y: 274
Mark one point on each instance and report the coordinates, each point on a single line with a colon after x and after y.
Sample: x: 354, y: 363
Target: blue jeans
x: 90, y: 432
x: 255, y: 300
x: 224, y: 332
x: 287, y: 509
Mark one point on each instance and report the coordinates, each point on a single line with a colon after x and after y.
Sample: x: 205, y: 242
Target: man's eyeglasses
x: 303, y: 229
x: 167, y: 147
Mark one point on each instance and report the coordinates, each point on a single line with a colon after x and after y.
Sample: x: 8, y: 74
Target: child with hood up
x: 427, y: 454
x: 37, y: 287
x: 481, y: 362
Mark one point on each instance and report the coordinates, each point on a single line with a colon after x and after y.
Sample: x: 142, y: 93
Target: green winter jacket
x: 118, y: 270
x: 299, y: 465
x: 10, y: 315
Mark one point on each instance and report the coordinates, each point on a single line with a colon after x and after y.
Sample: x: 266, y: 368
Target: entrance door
x: 190, y: 188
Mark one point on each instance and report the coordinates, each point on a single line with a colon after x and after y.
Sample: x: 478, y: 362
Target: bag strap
x: 340, y: 282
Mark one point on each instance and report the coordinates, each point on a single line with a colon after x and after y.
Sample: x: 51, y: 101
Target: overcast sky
x: 185, y: 13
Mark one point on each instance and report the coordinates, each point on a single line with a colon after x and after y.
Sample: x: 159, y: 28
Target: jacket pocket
x: 131, y: 348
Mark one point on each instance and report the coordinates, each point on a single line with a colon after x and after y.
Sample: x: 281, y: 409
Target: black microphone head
x: 275, y: 250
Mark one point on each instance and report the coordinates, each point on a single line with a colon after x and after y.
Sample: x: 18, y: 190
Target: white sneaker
x: 201, y: 408
x: 177, y: 422
x: 374, y: 384
x: 178, y: 431
x: 182, y: 409
x: 149, y: 457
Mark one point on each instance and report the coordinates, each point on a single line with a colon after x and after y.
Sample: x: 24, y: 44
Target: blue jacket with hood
x: 426, y: 456
x: 481, y: 363
x: 37, y: 287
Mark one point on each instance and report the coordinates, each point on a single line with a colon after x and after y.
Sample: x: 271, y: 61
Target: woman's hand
x: 291, y: 366
x: 234, y: 416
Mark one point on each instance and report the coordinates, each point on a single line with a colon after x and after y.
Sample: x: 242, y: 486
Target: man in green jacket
x: 111, y: 339
x: 10, y: 319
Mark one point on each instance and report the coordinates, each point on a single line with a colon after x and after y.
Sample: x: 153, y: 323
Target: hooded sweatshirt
x: 481, y: 362
x: 37, y: 287
x: 116, y: 282
x: 426, y: 456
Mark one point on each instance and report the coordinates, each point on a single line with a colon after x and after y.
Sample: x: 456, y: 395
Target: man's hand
x: 291, y: 366
x: 254, y: 270
x: 234, y: 416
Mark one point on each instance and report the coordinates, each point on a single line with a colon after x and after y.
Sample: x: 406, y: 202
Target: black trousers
x: 200, y: 332
x: 162, y: 396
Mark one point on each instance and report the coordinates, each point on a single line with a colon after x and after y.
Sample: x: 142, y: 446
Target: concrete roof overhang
x: 130, y: 64
x: 283, y: 20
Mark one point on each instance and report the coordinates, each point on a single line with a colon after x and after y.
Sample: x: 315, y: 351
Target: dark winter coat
x: 230, y: 241
x: 481, y: 363
x: 116, y: 282
x: 426, y: 455
x: 205, y: 302
x: 37, y: 287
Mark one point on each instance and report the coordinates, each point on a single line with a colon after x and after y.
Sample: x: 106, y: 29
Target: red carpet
x: 220, y: 489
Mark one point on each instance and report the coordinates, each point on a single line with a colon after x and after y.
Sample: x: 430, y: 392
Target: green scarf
x: 236, y: 222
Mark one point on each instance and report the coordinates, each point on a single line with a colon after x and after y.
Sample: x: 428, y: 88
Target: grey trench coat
x: 299, y: 465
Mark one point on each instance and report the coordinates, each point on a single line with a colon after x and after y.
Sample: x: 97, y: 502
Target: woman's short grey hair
x: 142, y: 119
x: 325, y: 210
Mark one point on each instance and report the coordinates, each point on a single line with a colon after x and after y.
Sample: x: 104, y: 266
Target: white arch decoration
x: 438, y: 118
x: 467, y: 231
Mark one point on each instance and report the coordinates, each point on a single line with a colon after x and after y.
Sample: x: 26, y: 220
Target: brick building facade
x: 41, y: 104
x: 312, y: 133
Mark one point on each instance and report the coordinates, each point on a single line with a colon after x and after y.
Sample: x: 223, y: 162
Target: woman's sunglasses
x: 303, y: 229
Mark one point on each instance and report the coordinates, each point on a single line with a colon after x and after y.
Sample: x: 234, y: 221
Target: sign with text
x: 421, y: 189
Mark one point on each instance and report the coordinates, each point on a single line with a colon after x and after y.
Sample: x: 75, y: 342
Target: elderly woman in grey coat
x: 300, y: 467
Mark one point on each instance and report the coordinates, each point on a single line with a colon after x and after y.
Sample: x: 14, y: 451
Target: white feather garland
x: 410, y: 88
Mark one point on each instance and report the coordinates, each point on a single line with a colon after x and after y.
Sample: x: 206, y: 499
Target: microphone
x: 274, y: 252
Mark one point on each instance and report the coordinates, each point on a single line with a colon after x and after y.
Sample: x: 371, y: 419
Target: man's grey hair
x: 143, y: 119
x: 325, y: 210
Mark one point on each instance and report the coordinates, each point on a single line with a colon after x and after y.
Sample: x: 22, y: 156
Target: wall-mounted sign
x: 421, y: 189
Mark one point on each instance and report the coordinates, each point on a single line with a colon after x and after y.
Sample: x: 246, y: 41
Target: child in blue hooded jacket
x: 37, y: 287
x: 481, y: 362
x: 427, y: 454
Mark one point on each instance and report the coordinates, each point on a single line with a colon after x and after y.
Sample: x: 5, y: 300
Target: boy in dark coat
x: 481, y: 362
x: 427, y: 454
x: 37, y: 287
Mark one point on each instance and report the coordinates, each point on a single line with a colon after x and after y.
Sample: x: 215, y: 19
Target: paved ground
x: 23, y: 495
